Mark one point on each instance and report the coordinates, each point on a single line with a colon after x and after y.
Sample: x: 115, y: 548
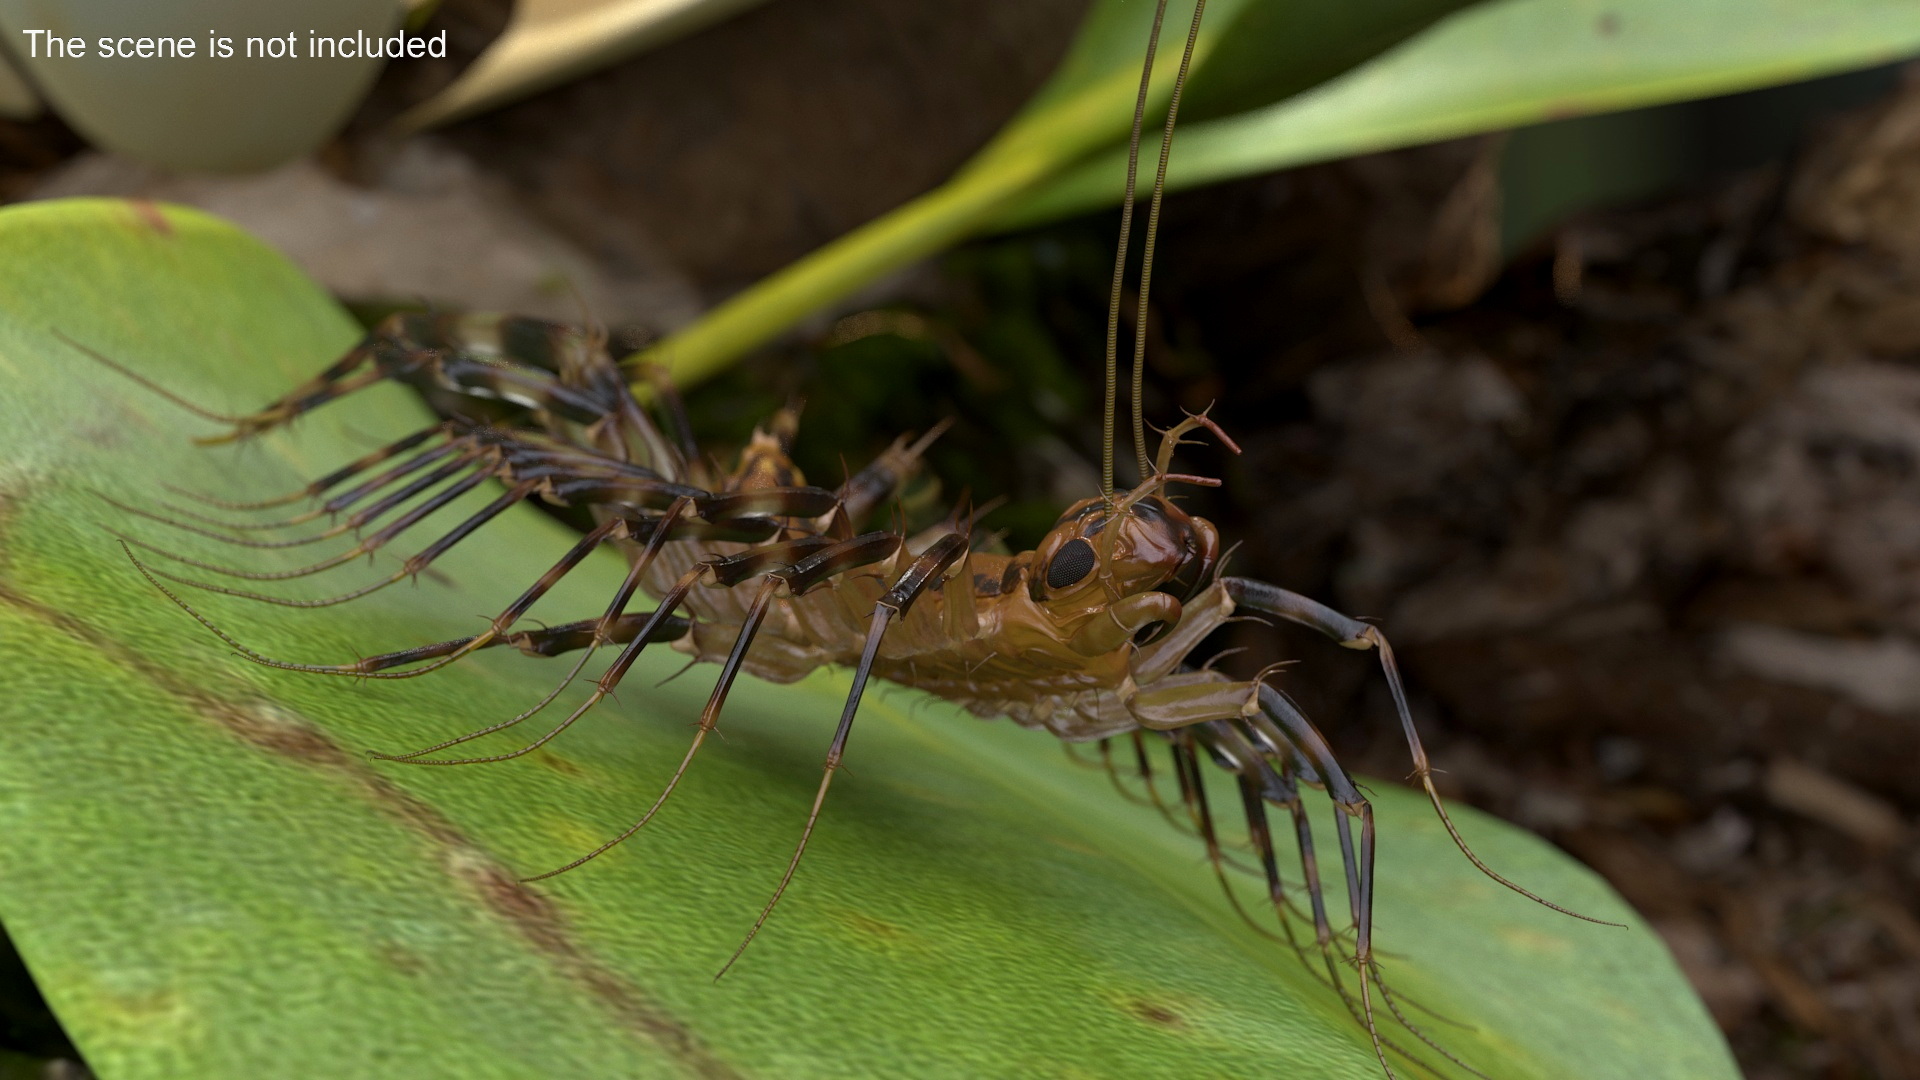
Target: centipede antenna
x: 1120, y: 257
x: 1153, y: 229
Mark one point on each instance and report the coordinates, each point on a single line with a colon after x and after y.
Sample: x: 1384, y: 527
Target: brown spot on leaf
x: 400, y: 958
x: 149, y: 215
x: 872, y: 927
x: 1156, y: 1013
x: 557, y: 763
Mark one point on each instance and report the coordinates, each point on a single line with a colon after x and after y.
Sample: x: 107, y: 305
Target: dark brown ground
x: 1640, y: 507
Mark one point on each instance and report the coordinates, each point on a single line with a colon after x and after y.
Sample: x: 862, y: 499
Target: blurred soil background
x: 1614, y: 424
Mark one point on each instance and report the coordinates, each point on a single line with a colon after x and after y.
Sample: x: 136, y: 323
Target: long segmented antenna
x: 1153, y: 230
x: 1120, y: 256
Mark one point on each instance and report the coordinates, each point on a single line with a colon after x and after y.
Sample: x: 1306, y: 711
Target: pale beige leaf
x: 551, y: 41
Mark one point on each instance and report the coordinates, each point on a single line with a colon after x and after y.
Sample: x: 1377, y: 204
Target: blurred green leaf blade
x: 1511, y: 63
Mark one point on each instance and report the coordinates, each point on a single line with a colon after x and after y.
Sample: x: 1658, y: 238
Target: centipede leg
x: 361, y: 548
x: 1113, y: 773
x: 444, y: 652
x: 1298, y: 731
x: 187, y: 519
x: 339, y: 503
x: 1354, y: 634
x: 603, y: 633
x: 1257, y: 782
x: 1073, y: 755
x: 1144, y: 764
x: 825, y: 559
x: 892, y: 605
x: 385, y: 353
x: 1194, y: 709
x: 449, y: 651
x: 1258, y: 786
x: 313, y: 489
x: 1193, y: 789
x: 411, y: 567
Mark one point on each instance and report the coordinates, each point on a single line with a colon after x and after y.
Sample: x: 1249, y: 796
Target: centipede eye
x: 1071, y: 564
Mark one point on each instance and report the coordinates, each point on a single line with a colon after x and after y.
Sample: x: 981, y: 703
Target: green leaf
x: 551, y: 41
x: 1516, y: 62
x: 209, y: 880
x: 1249, y: 51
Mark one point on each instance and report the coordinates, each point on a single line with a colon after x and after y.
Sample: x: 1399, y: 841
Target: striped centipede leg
x: 390, y: 351
x: 313, y: 489
x: 332, y: 507
x: 369, y: 545
x: 1354, y: 634
x: 1274, y: 777
x: 1256, y: 780
x: 894, y: 604
x: 1299, y: 732
x: 443, y: 653
x: 1256, y: 786
x: 412, y: 566
x: 545, y: 642
x: 795, y: 565
x: 1176, y: 707
x: 1143, y: 764
x: 1143, y: 768
x: 603, y: 634
x: 1187, y: 745
x: 1232, y: 750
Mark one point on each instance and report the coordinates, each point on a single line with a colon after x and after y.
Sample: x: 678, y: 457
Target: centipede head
x: 1101, y: 550
x: 1123, y: 544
